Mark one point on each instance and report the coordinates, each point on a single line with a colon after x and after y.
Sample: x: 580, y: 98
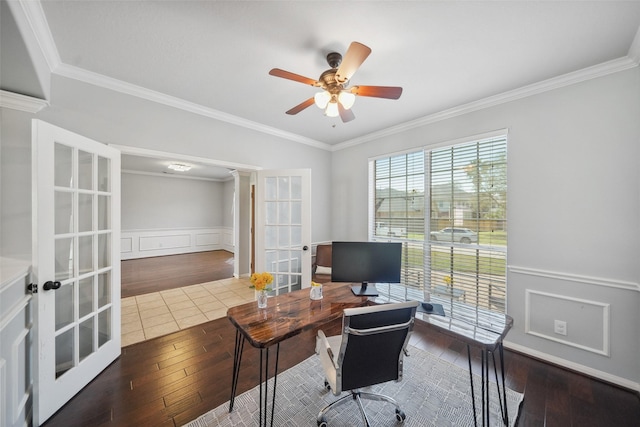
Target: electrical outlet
x: 560, y: 327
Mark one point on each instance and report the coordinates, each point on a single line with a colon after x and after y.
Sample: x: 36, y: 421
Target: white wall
x: 573, y: 216
x: 158, y: 202
x: 15, y: 184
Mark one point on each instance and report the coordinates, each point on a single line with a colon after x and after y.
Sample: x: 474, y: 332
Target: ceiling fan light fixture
x: 322, y: 99
x: 179, y: 167
x: 332, y: 109
x: 347, y: 99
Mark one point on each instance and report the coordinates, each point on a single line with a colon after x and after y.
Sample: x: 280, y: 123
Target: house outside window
x: 448, y: 208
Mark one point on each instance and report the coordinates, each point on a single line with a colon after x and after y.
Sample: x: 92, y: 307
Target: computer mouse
x: 427, y: 306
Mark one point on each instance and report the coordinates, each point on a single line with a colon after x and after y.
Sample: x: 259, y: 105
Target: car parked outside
x: 457, y: 235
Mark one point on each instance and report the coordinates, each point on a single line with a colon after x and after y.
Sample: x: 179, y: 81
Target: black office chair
x: 369, y: 351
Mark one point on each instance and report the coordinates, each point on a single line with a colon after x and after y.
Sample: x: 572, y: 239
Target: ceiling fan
x: 336, y: 98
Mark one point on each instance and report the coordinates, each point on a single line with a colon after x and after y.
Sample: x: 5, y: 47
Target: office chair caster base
x: 400, y: 415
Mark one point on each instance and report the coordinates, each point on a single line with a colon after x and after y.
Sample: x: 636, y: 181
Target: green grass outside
x: 461, y: 262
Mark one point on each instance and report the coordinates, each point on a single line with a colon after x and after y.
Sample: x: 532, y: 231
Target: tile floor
x: 160, y: 313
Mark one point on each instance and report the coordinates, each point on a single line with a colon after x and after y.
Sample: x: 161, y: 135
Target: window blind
x: 459, y: 254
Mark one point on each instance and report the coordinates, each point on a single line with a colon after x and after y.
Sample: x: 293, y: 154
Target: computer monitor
x: 367, y: 263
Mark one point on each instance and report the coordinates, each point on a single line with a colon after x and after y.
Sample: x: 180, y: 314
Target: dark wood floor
x: 144, y: 275
x: 171, y: 380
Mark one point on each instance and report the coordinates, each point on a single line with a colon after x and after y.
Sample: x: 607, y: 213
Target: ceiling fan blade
x: 390, y: 92
x: 292, y: 76
x: 345, y: 115
x: 295, y: 110
x: 355, y: 56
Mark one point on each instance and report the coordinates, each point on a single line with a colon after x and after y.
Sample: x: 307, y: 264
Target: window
x: 459, y: 253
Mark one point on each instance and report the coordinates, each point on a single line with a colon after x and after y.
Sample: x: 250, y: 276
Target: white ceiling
x: 216, y: 55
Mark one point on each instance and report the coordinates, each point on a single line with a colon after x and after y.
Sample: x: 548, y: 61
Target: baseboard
x: 575, y: 367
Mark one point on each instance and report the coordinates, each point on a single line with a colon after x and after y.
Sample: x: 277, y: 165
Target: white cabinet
x: 16, y: 355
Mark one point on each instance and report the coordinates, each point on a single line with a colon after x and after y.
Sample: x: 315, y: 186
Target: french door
x: 283, y: 228
x: 76, y: 263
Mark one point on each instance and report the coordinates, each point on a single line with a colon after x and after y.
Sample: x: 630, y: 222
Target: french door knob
x: 51, y: 285
x: 305, y: 248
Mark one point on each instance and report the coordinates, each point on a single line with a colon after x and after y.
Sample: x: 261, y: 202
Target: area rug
x: 433, y: 392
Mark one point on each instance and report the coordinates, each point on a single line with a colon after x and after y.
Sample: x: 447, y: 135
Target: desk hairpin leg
x: 502, y: 394
x: 473, y: 395
x: 237, y: 358
x: 502, y: 397
x: 263, y: 398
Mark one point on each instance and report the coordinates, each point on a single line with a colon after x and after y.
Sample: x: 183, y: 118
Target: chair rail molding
x: 591, y: 280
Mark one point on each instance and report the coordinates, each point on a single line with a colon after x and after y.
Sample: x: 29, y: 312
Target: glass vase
x: 261, y: 297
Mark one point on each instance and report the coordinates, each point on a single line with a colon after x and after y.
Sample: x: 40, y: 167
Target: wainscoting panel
x: 586, y: 322
x: 16, y: 352
x: 126, y: 245
x: 152, y: 243
x: 208, y: 239
x: 149, y: 243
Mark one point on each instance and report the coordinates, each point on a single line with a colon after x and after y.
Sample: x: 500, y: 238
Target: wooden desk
x: 285, y: 316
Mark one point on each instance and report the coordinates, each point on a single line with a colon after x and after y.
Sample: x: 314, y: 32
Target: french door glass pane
x: 271, y: 213
x: 296, y: 236
x: 104, y: 289
x: 283, y: 237
x: 283, y: 187
x: 104, y: 177
x: 63, y: 166
x: 271, y: 260
x: 63, y: 214
x: 85, y: 212
x: 85, y: 254
x: 283, y: 263
x: 296, y: 212
x: 270, y: 236
x: 296, y: 187
x: 104, y: 326
x: 284, y: 216
x: 64, y: 305
x: 104, y: 207
x: 104, y: 250
x: 64, y: 258
x: 85, y: 296
x: 270, y: 188
x: 65, y: 350
x: 85, y: 170
x: 85, y: 338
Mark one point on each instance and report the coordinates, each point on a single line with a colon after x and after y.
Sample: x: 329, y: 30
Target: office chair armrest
x: 323, y: 345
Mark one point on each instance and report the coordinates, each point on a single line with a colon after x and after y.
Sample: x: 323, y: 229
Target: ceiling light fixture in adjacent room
x: 179, y: 167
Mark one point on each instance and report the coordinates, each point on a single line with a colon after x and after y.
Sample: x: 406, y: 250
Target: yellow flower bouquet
x: 261, y: 281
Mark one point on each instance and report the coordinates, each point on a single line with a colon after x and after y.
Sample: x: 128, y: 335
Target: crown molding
x: 37, y: 20
x: 15, y: 101
x: 568, y: 79
x: 100, y: 80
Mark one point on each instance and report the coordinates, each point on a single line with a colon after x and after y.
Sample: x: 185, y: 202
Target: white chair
x: 369, y: 351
